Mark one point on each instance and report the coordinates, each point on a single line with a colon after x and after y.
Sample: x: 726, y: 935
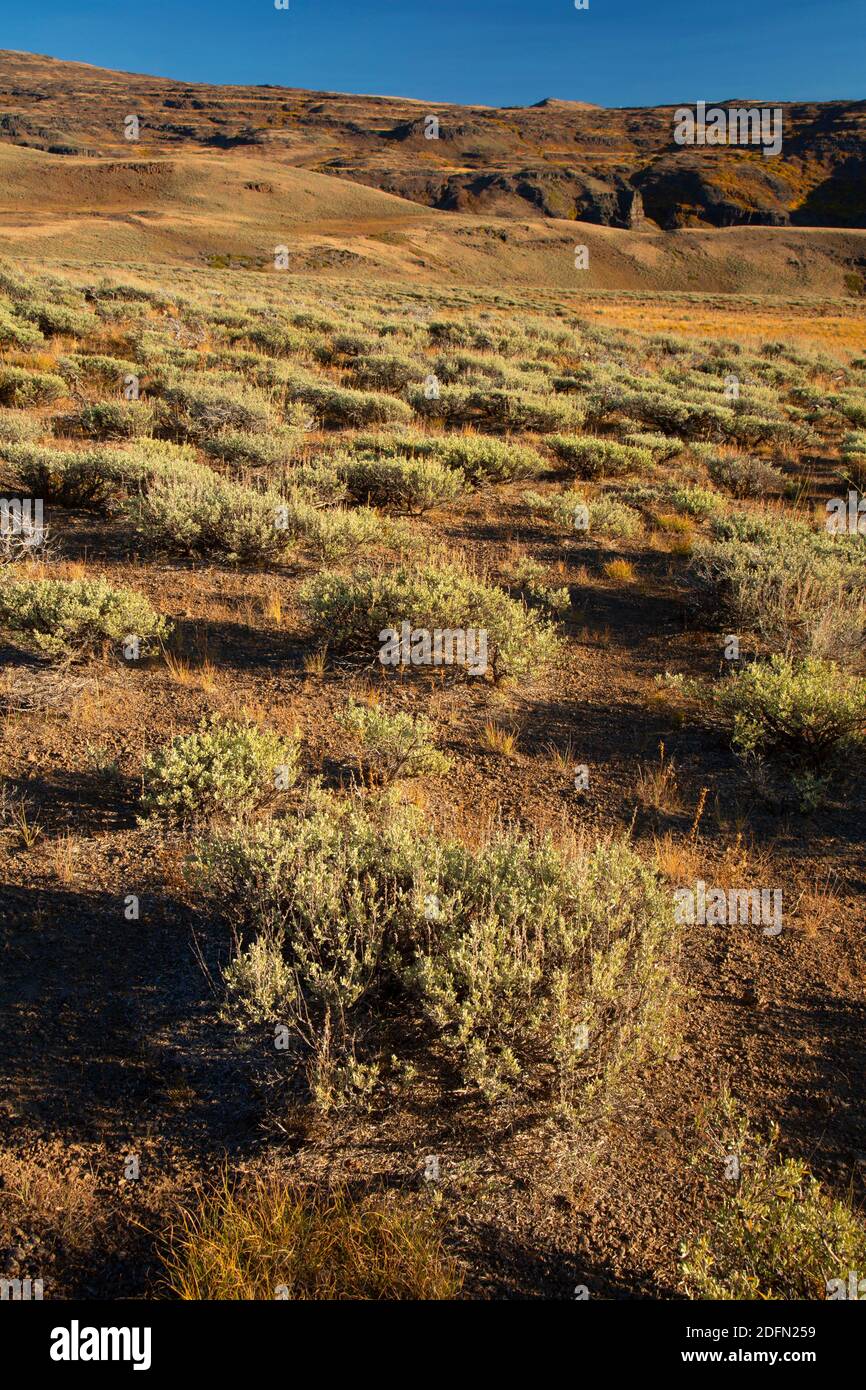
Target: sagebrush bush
x: 533, y: 967
x: 340, y: 407
x: 242, y: 449
x: 590, y: 457
x: 272, y: 1238
x: 22, y: 388
x: 200, y: 407
x: 17, y: 428
x: 477, y: 458
x: 74, y: 617
x: 388, y: 746
x: 745, y: 476
x: 774, y: 1233
x: 496, y: 409
x: 806, y: 716
x: 350, y: 611
x: 662, y: 447
x: 53, y: 318
x: 335, y: 533
x: 103, y: 370
x: 109, y: 420
x: 387, y: 372
x: 529, y: 576
x: 798, y: 590
x: 696, y: 502
x: 405, y: 485
x: 222, y: 768
x: 854, y: 457
x: 83, y: 478
x: 196, y: 512
x: 604, y: 515
x: 16, y: 332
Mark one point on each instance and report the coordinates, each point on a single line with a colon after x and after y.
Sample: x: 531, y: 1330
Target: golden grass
x: 273, y: 1239
x: 561, y: 759
x: 316, y: 663
x: 620, y: 571
x: 656, y: 785
x: 675, y: 524
x: 495, y: 739
x: 203, y: 677
x: 678, y: 859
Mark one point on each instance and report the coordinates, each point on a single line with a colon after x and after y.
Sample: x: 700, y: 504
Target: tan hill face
x: 559, y: 159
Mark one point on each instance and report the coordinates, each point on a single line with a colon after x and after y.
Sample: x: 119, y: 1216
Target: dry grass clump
x: 269, y: 1238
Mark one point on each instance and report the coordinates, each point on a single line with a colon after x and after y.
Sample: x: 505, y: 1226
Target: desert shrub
x: 530, y: 954
x: 567, y: 509
x: 109, y: 420
x: 449, y: 332
x: 22, y: 388
x: 495, y: 408
x: 590, y: 457
x: 806, y: 717
x: 663, y: 406
x: 480, y: 459
x: 403, y: 484
x: 276, y: 339
x: 17, y: 428
x: 529, y: 576
x: 346, y: 347
x: 73, y: 617
x: 197, y: 512
x: 105, y: 371
x: 317, y: 483
x: 95, y: 477
x: 854, y: 457
x: 796, y: 589
x: 242, y: 449
x: 696, y: 502
x: 68, y: 477
x: 197, y: 409
x: 340, y: 407
x: 612, y: 519
x: 381, y: 372
x: 325, y: 888
x: 745, y: 477
x: 221, y: 768
x: 16, y: 332
x: 391, y: 745
x: 774, y: 1232
x: 467, y: 367
x: 532, y: 967
x: 488, y: 460
x: 750, y: 430
x: 852, y: 407
x: 52, y: 318
x: 349, y: 612
x: 272, y: 1238
x: 337, y: 533
x: 661, y: 446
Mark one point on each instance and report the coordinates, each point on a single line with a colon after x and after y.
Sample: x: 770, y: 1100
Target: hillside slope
x: 558, y: 159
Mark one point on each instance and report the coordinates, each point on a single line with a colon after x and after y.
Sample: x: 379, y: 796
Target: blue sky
x: 496, y: 52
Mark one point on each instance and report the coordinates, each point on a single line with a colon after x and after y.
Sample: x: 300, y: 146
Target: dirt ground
x: 112, y: 1042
